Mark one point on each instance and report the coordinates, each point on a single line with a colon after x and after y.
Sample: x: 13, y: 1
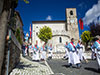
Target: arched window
x: 71, y: 12
x: 36, y: 26
x: 60, y: 39
x: 37, y: 33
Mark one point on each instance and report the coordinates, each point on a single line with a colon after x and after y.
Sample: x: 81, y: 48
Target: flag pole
x: 30, y: 29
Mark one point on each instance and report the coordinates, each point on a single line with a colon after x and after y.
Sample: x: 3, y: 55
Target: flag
x: 30, y: 31
x: 81, y: 24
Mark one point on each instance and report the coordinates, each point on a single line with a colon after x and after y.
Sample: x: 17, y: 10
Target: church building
x: 62, y: 31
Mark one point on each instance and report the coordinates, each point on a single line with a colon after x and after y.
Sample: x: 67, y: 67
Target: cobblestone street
x: 27, y: 67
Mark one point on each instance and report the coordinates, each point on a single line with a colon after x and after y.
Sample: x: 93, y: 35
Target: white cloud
x: 49, y: 17
x: 92, y: 14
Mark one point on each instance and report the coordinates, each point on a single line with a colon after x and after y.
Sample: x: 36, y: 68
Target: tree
x: 86, y: 37
x: 45, y: 34
x: 26, y: 1
x: 95, y: 29
x: 18, y: 36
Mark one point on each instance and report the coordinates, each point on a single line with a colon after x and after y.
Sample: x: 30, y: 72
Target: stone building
x: 19, y: 24
x: 7, y: 8
x: 62, y: 31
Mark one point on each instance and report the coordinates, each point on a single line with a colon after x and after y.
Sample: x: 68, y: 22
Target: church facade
x: 62, y: 31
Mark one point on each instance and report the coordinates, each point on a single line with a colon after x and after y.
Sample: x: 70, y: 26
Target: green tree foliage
x: 26, y: 1
x: 45, y: 34
x: 86, y: 36
x: 18, y: 36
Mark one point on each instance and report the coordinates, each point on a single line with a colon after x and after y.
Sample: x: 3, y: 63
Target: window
x: 60, y: 39
x: 56, y: 30
x: 71, y: 12
x: 37, y: 33
x: 53, y: 31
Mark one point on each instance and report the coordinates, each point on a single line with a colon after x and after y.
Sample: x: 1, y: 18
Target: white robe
x: 66, y: 53
x: 80, y: 52
x: 35, y: 56
x: 43, y: 55
x: 36, y: 53
x: 98, y: 57
x: 73, y: 58
x: 26, y: 51
x: 93, y: 54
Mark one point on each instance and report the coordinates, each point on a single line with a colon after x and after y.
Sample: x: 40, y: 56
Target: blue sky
x: 38, y: 10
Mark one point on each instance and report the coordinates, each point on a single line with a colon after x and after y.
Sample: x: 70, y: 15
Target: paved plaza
x: 60, y: 67
x: 53, y: 67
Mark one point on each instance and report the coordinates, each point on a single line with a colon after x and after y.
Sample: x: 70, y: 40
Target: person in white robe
x: 50, y: 52
x: 36, y: 53
x: 30, y: 50
x: 80, y: 49
x: 97, y: 46
x: 66, y: 51
x: 73, y: 56
x: 26, y: 50
x: 93, y: 54
x: 43, y: 53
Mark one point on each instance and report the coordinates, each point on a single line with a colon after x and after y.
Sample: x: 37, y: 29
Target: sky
x: 41, y: 10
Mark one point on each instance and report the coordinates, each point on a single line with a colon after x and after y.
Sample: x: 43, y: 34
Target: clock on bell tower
x: 72, y: 25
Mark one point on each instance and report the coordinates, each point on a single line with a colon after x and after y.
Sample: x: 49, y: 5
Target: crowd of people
x: 74, y: 53
x: 95, y: 47
x: 38, y: 53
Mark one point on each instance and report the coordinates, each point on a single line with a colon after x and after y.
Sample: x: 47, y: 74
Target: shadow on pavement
x: 30, y: 59
x: 22, y: 66
x: 67, y: 66
x: 92, y: 69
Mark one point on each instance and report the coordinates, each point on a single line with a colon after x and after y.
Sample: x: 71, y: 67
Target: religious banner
x: 30, y: 31
x: 81, y: 24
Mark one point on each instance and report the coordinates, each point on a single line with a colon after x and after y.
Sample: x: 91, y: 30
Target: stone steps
x: 61, y: 55
x: 58, y: 56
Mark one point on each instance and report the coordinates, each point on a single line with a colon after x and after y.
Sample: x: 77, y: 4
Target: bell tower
x: 72, y: 24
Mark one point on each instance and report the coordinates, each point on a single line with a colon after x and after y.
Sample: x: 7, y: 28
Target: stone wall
x: 15, y: 50
x: 14, y: 56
